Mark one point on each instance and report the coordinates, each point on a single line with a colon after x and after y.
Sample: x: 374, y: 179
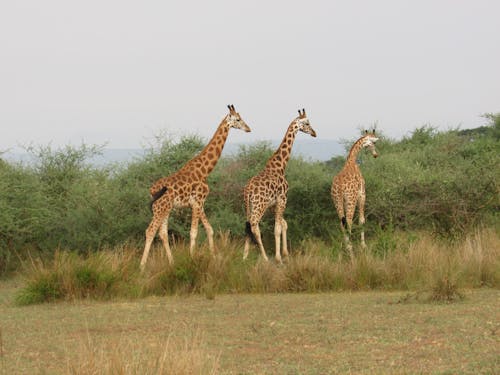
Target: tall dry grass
x: 422, y: 263
x: 172, y: 356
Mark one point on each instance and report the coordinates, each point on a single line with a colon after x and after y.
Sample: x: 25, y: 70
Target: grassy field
x: 361, y: 332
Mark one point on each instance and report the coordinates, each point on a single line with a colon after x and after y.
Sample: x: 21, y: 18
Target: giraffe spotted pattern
x: 188, y: 188
x: 269, y: 189
x: 348, y: 189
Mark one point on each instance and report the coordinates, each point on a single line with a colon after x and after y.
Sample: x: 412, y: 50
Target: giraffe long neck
x: 279, y: 159
x: 208, y: 157
x: 353, y: 153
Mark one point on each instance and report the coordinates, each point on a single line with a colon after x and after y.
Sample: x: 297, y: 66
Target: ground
x: 362, y: 332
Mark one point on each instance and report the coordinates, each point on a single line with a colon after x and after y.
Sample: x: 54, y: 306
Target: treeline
x: 443, y: 182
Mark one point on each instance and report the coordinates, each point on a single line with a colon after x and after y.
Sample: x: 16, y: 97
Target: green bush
x: 444, y: 182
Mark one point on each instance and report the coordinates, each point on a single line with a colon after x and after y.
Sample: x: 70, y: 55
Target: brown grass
x: 126, y: 355
x: 425, y: 265
x: 297, y: 333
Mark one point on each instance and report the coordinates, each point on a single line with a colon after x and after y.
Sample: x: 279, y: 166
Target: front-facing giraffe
x: 269, y: 188
x: 348, y: 189
x: 188, y: 188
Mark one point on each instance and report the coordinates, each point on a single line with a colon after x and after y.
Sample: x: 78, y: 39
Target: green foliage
x: 445, y: 182
x: 46, y: 288
x: 71, y: 276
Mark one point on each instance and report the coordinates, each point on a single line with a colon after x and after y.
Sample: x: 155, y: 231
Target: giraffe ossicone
x: 348, y: 189
x: 269, y: 189
x: 188, y: 188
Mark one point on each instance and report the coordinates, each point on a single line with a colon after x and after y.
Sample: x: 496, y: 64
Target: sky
x: 117, y: 73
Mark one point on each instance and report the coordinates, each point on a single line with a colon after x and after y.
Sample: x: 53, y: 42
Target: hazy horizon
x: 119, y: 72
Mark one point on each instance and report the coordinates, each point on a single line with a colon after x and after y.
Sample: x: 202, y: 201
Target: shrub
x: 443, y: 182
x: 425, y: 264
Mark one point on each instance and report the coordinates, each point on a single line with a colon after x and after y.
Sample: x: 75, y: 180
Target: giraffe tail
x: 156, y: 196
x: 250, y: 233
x: 344, y: 222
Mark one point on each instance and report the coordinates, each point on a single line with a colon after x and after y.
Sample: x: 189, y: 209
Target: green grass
x: 420, y: 308
x: 291, y: 333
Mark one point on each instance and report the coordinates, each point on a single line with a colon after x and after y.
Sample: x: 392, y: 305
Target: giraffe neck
x: 353, y: 153
x: 208, y: 157
x: 278, y: 161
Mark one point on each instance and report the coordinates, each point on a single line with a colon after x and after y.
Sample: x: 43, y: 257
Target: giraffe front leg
x: 361, y: 205
x: 209, y: 230
x: 278, y: 228
x: 277, y: 238
x: 284, y: 227
x: 194, y: 229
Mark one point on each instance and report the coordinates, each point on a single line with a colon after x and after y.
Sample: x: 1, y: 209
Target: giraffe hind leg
x: 343, y: 222
x: 250, y: 235
x: 164, y: 239
x: 350, y: 208
x: 361, y: 206
x: 150, y: 235
x: 256, y: 231
x: 339, y: 202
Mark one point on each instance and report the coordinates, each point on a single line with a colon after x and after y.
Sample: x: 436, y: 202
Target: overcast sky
x: 118, y: 72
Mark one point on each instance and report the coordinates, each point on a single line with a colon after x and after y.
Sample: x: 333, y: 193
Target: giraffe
x: 348, y: 189
x: 269, y: 188
x: 188, y: 188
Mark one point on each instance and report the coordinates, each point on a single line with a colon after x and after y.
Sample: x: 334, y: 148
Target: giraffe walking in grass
x: 188, y: 188
x: 348, y: 189
x: 269, y: 188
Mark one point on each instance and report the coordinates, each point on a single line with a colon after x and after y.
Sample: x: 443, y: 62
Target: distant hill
x: 314, y: 149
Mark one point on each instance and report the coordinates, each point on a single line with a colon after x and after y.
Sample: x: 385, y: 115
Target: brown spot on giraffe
x: 269, y: 189
x: 188, y: 188
x: 348, y: 189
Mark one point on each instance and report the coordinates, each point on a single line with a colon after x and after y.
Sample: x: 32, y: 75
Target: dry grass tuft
x: 173, y: 356
x: 422, y: 264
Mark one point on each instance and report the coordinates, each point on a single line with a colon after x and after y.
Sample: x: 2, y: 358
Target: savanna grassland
x: 318, y: 333
x: 423, y: 297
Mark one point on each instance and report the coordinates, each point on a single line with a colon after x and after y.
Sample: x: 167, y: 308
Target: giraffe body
x: 269, y: 189
x: 348, y: 189
x: 188, y: 188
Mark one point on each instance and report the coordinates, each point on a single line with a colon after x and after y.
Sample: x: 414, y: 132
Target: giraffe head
x: 234, y: 120
x: 368, y: 141
x: 302, y: 123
